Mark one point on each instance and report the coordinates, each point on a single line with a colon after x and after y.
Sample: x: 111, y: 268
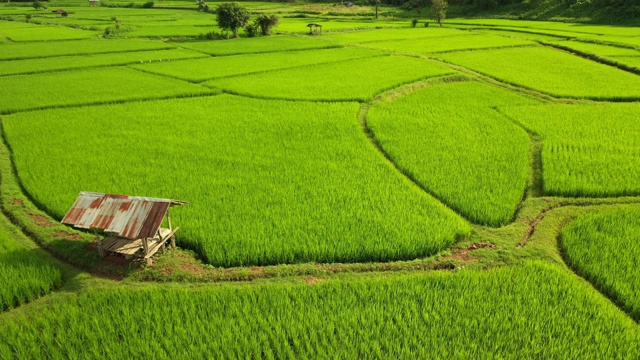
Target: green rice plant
x: 77, y: 47
x: 450, y: 140
x: 343, y: 81
x: 533, y: 311
x: 578, y: 28
x: 554, y: 72
x: 25, y: 272
x: 217, y: 67
x: 268, y: 182
x: 30, y: 66
x: 257, y: 45
x: 359, y: 37
x: 452, y: 43
x: 171, y: 31
x: 599, y: 49
x: 604, y: 247
x: 632, y: 61
x: 88, y: 87
x: 522, y: 34
x: 294, y: 25
x: 588, y: 150
x: 48, y: 33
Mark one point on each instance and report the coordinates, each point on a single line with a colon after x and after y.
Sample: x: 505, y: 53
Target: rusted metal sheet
x: 130, y: 217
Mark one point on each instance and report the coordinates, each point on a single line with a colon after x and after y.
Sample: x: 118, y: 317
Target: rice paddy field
x: 373, y: 191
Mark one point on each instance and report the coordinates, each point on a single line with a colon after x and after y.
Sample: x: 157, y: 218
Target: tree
x: 439, y: 10
x: 266, y: 23
x: 232, y: 16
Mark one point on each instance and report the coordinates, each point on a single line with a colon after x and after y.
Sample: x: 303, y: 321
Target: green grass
x: 268, y: 182
x: 521, y: 34
x: 171, y: 31
x: 452, y: 43
x: 470, y: 157
x: 77, y: 47
x: 29, y: 66
x: 26, y: 272
x: 551, y: 71
x: 605, y: 247
x: 533, y: 311
x: 217, y: 67
x: 344, y: 81
x: 45, y: 33
x: 359, y: 37
x: 256, y: 45
x: 588, y: 150
x: 299, y: 26
x: 87, y: 87
x: 633, y: 61
x: 599, y: 49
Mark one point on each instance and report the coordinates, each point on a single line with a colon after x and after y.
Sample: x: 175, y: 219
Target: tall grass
x: 554, y: 72
x: 29, y: 66
x: 451, y: 43
x: 588, y: 150
x: 77, y: 47
x: 23, y: 92
x: 350, y: 80
x: 449, y: 139
x: 268, y: 182
x: 216, y: 67
x: 533, y: 311
x: 257, y: 45
x: 605, y: 247
x: 25, y: 273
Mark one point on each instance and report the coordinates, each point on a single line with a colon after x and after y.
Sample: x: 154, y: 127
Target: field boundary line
x: 85, y: 54
x: 113, y: 102
x: 362, y: 119
x: 593, y: 57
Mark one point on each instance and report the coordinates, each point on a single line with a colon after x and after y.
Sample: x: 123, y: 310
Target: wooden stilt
x: 99, y: 241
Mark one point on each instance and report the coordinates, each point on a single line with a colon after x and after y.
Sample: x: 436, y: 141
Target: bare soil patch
x: 41, y: 220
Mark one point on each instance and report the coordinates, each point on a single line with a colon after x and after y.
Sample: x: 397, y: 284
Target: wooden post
x: 173, y: 242
x: 145, y: 245
x: 169, y: 218
x: 100, y: 250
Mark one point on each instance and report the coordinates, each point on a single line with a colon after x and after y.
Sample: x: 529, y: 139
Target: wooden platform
x: 130, y: 248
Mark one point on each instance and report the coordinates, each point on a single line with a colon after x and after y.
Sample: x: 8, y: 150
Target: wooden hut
x: 133, y: 224
x: 314, y: 29
x: 94, y: 2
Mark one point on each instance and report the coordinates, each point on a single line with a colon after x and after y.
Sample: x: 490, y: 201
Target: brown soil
x: 66, y: 235
x: 41, y: 220
x: 464, y: 254
x: 18, y: 202
x: 532, y: 227
x: 312, y: 280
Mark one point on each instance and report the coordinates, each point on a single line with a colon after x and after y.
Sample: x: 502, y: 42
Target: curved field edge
x: 416, y: 132
x: 336, y: 141
x: 544, y: 311
x: 603, y: 248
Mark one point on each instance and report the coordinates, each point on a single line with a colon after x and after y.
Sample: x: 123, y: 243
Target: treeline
x: 611, y: 11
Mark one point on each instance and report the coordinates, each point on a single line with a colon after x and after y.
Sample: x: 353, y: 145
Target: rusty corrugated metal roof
x: 131, y: 217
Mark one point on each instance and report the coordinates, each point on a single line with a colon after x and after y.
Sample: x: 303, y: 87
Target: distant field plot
x: 171, y: 31
x: 346, y: 80
x: 589, y: 150
x: 256, y: 45
x: 29, y: 66
x: 555, y: 26
x: 268, y: 182
x: 598, y: 49
x: 604, y: 247
x: 520, y: 34
x: 216, y: 67
x: 77, y: 47
x: 633, y: 61
x: 532, y: 311
x: 451, y: 43
x: 295, y: 25
x: 551, y: 71
x: 392, y: 34
x: 80, y: 87
x: 45, y: 33
x: 25, y: 273
x: 470, y: 157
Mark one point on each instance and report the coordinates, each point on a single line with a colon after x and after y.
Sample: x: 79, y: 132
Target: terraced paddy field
x: 376, y: 191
